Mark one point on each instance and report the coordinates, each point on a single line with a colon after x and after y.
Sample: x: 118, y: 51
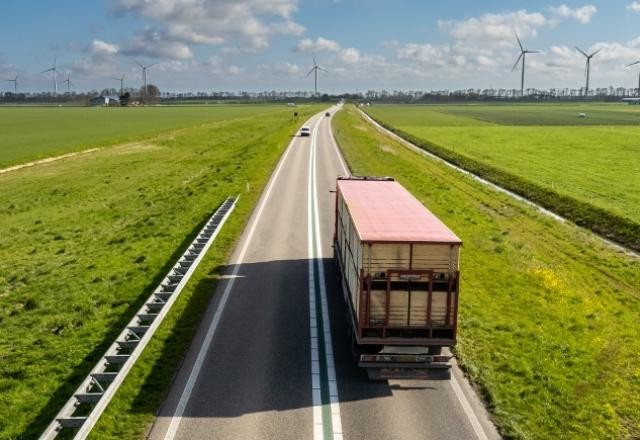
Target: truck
x: 398, y: 265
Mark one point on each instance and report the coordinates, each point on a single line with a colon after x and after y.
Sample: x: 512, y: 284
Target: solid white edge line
x: 336, y: 421
x: 345, y: 168
x: 466, y: 407
x: 204, y: 348
x: 318, y: 427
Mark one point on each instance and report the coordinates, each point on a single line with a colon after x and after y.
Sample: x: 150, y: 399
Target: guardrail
x: 84, y: 408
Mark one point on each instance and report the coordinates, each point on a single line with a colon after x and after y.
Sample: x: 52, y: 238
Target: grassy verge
x: 31, y: 133
x: 85, y: 240
x: 548, y: 315
x: 614, y: 226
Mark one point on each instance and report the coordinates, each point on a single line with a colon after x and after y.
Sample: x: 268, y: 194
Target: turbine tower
x: 523, y: 56
x: 587, y: 67
x: 121, y: 79
x: 15, y: 84
x: 315, y: 69
x: 144, y: 76
x: 628, y: 65
x: 68, y: 82
x: 54, y: 69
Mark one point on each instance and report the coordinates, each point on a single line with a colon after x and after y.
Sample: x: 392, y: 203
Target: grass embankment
x: 548, y: 314
x: 32, y: 133
x: 84, y: 240
x: 586, y: 174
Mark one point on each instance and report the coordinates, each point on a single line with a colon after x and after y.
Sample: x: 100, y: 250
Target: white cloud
x: 103, y: 48
x: 495, y: 30
x: 288, y: 69
x: 155, y: 44
x: 634, y: 6
x: 178, y: 24
x: 320, y: 44
x: 582, y: 15
x: 350, y: 55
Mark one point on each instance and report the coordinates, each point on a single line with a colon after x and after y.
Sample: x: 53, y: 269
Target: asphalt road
x: 271, y: 359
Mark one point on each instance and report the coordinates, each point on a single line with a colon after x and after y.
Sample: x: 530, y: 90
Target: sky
x: 257, y: 45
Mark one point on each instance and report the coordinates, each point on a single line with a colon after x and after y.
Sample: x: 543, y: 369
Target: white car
x: 305, y: 131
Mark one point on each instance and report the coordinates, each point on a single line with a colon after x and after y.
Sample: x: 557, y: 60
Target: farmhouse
x: 104, y: 101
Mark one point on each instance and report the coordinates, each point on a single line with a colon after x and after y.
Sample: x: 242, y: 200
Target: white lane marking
x: 316, y: 237
x: 197, y: 365
x: 466, y: 407
x: 318, y: 427
x: 345, y: 168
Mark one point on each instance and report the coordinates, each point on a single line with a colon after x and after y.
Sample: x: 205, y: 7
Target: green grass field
x: 31, y: 133
x: 548, y: 314
x: 587, y: 173
x: 85, y: 239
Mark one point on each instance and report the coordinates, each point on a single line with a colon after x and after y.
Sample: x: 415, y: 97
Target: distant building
x: 104, y: 101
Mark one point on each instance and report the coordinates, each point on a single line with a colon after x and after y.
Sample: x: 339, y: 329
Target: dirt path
x: 47, y: 160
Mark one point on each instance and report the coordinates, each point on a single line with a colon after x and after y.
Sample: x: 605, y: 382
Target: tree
x: 124, y: 99
x: 151, y: 95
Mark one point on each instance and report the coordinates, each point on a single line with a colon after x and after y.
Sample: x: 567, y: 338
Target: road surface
x: 271, y: 359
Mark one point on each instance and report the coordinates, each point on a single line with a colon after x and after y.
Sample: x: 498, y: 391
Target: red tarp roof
x: 386, y: 211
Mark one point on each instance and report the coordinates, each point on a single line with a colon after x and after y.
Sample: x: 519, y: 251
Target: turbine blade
x: 633, y: 64
x: 519, y: 42
x: 532, y: 51
x: 150, y: 65
x: 314, y: 59
x: 582, y: 52
x: 592, y: 54
x: 139, y: 64
x: 312, y: 69
x: 324, y: 70
x: 516, y: 63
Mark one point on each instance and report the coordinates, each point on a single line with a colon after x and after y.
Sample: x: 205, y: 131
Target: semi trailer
x: 399, y: 269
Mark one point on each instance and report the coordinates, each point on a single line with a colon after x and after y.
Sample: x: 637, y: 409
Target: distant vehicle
x: 305, y: 131
x: 291, y: 104
x: 582, y: 115
x: 398, y: 267
x: 327, y: 114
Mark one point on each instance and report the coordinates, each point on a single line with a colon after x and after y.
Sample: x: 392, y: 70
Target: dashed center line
x: 327, y: 423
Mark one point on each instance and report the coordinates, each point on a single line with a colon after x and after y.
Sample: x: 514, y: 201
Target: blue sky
x: 205, y: 45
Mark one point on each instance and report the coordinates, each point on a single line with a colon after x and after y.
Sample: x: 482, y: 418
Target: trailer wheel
x: 373, y: 374
x: 440, y: 374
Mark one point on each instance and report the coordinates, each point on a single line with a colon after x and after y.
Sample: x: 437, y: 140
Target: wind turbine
x: 68, y: 82
x: 587, y: 67
x: 15, y: 84
x: 628, y: 65
x: 523, y: 55
x: 121, y: 79
x: 315, y: 69
x: 54, y: 69
x: 144, y: 75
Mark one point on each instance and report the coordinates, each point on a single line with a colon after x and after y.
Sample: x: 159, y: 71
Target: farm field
x: 85, y: 239
x: 31, y: 133
x: 583, y: 168
x: 548, y: 324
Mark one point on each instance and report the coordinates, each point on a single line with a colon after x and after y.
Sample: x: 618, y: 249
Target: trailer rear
x: 399, y: 268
